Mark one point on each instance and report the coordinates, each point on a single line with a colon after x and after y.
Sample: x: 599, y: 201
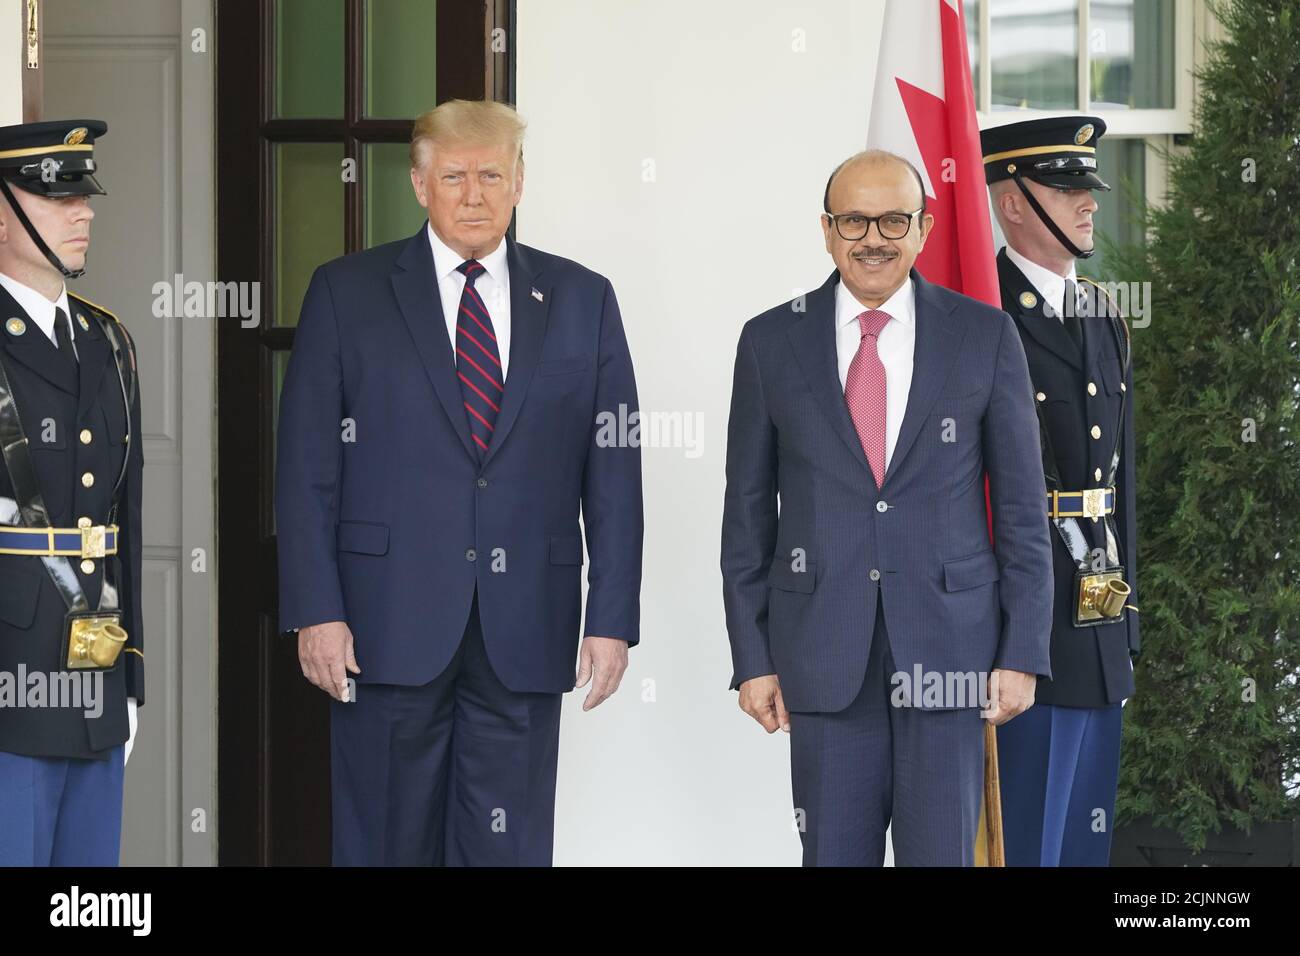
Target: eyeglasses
x: 891, y: 225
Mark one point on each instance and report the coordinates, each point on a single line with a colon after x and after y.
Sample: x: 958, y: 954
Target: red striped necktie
x: 478, y: 360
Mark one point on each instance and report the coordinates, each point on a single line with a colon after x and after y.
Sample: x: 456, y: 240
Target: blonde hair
x: 476, y: 122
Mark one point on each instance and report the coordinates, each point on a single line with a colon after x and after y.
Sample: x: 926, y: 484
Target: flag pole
x: 992, y: 799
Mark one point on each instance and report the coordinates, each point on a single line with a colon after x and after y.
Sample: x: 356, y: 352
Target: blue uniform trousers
x: 60, y: 811
x: 1059, y: 768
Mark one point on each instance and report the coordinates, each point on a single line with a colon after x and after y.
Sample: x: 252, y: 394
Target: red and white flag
x: 923, y: 109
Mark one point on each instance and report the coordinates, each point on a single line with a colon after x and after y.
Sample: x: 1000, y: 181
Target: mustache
x: 881, y: 253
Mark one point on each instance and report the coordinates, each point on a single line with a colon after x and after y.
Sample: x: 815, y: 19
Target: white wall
x: 742, y: 131
x: 11, y: 64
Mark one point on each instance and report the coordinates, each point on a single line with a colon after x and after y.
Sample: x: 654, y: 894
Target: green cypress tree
x: 1212, y: 736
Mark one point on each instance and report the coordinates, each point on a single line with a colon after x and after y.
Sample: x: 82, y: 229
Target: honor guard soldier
x: 71, y: 667
x: 1059, y: 761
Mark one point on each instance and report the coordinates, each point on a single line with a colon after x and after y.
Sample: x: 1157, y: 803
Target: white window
x: 1127, y: 61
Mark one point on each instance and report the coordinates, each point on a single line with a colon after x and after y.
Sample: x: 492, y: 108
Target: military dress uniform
x: 1059, y: 761
x: 70, y: 544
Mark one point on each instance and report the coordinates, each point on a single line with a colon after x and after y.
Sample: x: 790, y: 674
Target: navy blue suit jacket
x: 392, y: 527
x: 798, y: 585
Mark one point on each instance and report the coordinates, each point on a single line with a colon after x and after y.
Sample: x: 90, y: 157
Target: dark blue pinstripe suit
x: 802, y: 601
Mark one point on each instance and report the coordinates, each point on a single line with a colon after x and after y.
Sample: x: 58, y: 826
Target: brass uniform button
x: 1096, y: 474
x: 84, y: 522
x: 1096, y: 431
x: 86, y: 436
x: 87, y: 567
x: 87, y: 480
x: 1041, y: 397
x: 1092, y: 388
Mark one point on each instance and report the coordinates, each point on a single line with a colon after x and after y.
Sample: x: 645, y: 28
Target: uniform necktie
x: 63, y: 336
x: 478, y: 360
x: 1070, y: 303
x: 864, y: 391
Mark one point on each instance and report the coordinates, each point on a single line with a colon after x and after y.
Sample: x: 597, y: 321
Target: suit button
x: 874, y: 575
x: 1096, y: 431
x: 84, y: 522
x: 87, y: 567
x: 87, y: 480
x: 1092, y: 388
x: 471, y: 555
x: 881, y: 507
x: 86, y: 436
x: 1096, y: 474
x: 1041, y: 397
x: 482, y: 482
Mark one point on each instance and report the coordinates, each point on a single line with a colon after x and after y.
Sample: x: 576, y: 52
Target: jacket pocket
x: 560, y: 366
x: 362, y: 537
x: 20, y: 591
x: 566, y: 549
x: 970, y: 572
x: 784, y: 577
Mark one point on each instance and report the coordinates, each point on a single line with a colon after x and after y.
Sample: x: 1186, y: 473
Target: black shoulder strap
x: 31, y: 506
x: 124, y: 359
x: 18, y: 459
x: 1118, y: 328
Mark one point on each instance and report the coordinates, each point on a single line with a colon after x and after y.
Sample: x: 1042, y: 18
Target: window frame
x: 1120, y: 123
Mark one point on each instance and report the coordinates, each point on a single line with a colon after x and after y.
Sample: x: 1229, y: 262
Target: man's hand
x: 1010, y: 693
x: 607, y: 658
x: 325, y: 653
x: 760, y: 697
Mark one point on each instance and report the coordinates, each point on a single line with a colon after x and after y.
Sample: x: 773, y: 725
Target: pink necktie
x: 864, y: 391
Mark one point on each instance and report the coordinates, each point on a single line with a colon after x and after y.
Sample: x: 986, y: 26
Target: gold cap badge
x: 76, y: 137
x: 1084, y: 134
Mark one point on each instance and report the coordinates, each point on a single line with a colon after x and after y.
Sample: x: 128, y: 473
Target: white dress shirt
x: 1050, y: 286
x: 40, y: 309
x: 895, y: 345
x: 493, y: 287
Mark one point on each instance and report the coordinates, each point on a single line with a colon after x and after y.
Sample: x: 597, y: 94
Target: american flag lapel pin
x: 538, y: 296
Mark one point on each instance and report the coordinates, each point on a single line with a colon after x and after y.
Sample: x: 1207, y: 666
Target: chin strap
x: 36, y: 236
x: 1047, y: 221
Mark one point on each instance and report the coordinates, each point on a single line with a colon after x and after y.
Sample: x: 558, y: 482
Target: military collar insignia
x: 85, y: 326
x: 15, y: 326
x: 1028, y: 300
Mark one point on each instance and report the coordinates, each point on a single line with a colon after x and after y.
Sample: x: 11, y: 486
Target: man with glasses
x: 869, y: 617
x: 1060, y: 765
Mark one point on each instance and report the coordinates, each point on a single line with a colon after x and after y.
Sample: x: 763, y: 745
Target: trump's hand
x: 760, y: 697
x: 325, y: 653
x: 606, y: 657
x: 1010, y: 693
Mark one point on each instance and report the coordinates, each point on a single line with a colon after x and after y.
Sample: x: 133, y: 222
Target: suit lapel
x: 416, y: 288
x: 33, y: 349
x: 812, y: 339
x: 528, y: 321
x: 93, y: 353
x: 1047, y: 330
x: 938, y: 343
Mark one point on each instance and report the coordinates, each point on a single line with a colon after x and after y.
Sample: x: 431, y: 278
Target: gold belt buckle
x: 92, y: 542
x: 1094, y: 503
